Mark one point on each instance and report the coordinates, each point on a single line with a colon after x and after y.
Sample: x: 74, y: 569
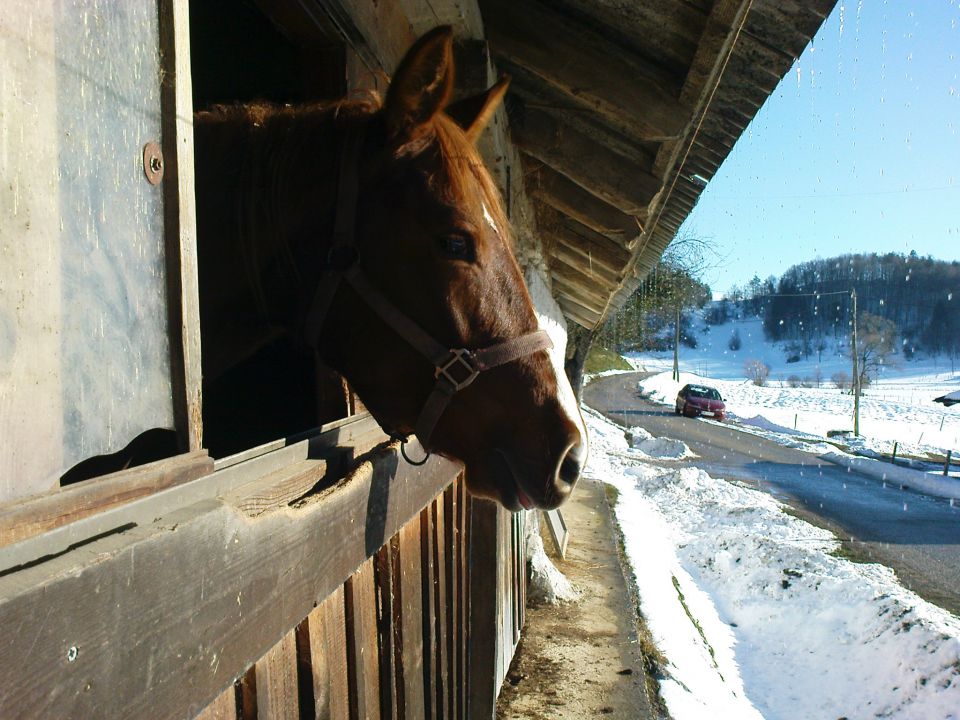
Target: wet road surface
x: 917, y: 535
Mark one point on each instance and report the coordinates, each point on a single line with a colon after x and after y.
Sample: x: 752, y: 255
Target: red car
x: 696, y: 400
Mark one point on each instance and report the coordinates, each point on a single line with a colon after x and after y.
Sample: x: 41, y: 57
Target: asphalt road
x: 917, y: 535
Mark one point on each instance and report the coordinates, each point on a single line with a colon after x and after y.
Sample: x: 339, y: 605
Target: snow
x: 755, y: 611
x: 756, y: 614
x: 898, y: 407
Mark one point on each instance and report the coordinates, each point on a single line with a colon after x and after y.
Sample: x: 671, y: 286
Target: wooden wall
x: 387, y: 593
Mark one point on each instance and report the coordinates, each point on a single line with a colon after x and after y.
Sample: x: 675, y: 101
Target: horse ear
x: 474, y: 113
x: 422, y: 84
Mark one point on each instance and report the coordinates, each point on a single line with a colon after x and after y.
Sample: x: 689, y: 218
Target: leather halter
x: 454, y: 368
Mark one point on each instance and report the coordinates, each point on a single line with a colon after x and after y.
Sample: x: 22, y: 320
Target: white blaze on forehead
x: 489, y: 218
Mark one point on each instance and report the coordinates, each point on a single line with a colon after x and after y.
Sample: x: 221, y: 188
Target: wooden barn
x: 249, y: 560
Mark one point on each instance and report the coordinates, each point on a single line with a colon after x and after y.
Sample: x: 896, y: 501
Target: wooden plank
x: 443, y: 609
x: 464, y: 545
x: 223, y: 708
x: 411, y: 619
x: 564, y: 195
x: 39, y: 514
x: 612, y: 177
x: 586, y: 288
x: 383, y: 564
x: 578, y: 315
x: 327, y: 647
x: 428, y: 614
x: 586, y: 65
x: 278, y: 489
x: 276, y: 678
x: 361, y: 605
x: 356, y: 435
x: 484, y: 636
x: 180, y: 221
x: 558, y: 531
x: 578, y: 257
x: 236, y: 585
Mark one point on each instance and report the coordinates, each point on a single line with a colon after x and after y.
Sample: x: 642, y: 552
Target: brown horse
x: 428, y: 232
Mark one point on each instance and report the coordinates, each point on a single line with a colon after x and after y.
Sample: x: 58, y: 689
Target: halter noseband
x: 454, y: 368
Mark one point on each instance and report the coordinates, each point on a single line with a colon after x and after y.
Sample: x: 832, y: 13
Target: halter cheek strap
x: 454, y: 368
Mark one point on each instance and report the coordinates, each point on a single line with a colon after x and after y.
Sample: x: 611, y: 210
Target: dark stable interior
x: 240, y: 54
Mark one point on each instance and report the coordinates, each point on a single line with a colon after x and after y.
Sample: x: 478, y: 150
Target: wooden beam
x: 706, y: 69
x: 585, y: 64
x: 573, y: 291
x: 588, y: 317
x: 564, y: 195
x: 39, y: 514
x: 549, y: 218
x: 589, y: 285
x: 574, y: 256
x: 611, y: 177
x: 603, y: 254
x: 206, y: 593
x: 616, y: 133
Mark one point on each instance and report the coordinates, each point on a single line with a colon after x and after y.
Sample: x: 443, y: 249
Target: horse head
x: 431, y: 236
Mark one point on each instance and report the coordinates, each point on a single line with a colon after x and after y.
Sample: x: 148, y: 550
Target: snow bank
x: 757, y: 616
x: 931, y: 484
x: 547, y: 583
x: 657, y: 447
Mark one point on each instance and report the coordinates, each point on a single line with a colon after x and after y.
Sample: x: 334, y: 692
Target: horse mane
x: 267, y: 144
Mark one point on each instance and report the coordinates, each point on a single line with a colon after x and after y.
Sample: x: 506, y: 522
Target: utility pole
x: 676, y: 348
x: 856, y: 367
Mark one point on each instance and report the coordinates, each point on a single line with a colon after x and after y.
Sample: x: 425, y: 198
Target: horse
x: 373, y: 232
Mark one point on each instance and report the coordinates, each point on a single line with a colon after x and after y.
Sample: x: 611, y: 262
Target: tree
x: 758, y: 372
x: 841, y: 380
x: 876, y: 342
x: 943, y: 330
x: 735, y: 343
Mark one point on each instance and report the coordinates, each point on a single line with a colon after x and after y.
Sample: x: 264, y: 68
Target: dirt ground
x: 581, y: 659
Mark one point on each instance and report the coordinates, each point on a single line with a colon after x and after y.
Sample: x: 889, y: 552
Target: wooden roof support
x: 602, y: 172
x: 591, y: 285
x: 708, y: 63
x: 582, y: 260
x: 575, y: 289
x: 593, y: 259
x: 586, y: 65
x: 574, y: 257
x: 550, y: 218
x: 578, y: 313
x: 561, y: 193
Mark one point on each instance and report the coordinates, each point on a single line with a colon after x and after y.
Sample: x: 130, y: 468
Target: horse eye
x: 457, y: 247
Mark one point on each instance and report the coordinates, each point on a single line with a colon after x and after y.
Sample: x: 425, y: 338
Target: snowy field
x: 756, y: 614
x: 897, y: 407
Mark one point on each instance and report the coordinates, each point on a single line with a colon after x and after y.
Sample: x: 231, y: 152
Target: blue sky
x: 858, y: 149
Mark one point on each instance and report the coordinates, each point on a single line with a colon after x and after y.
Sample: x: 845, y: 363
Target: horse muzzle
x: 529, y: 485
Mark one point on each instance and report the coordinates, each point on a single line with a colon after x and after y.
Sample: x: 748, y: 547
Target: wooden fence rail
x: 249, y: 594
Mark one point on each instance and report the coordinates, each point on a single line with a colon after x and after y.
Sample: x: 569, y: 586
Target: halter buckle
x: 461, y: 359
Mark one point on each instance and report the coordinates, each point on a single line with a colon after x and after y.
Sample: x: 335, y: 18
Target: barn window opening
x: 259, y: 383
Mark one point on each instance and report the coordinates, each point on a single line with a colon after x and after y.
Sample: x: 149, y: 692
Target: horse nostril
x: 571, y: 465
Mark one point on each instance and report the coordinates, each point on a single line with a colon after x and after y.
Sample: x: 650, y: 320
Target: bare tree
x: 876, y: 343
x: 758, y: 372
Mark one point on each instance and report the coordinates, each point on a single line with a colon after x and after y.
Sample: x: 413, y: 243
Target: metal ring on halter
x: 404, y: 439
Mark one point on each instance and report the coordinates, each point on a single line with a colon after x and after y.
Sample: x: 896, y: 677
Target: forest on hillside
x: 812, y: 300
x: 808, y: 305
